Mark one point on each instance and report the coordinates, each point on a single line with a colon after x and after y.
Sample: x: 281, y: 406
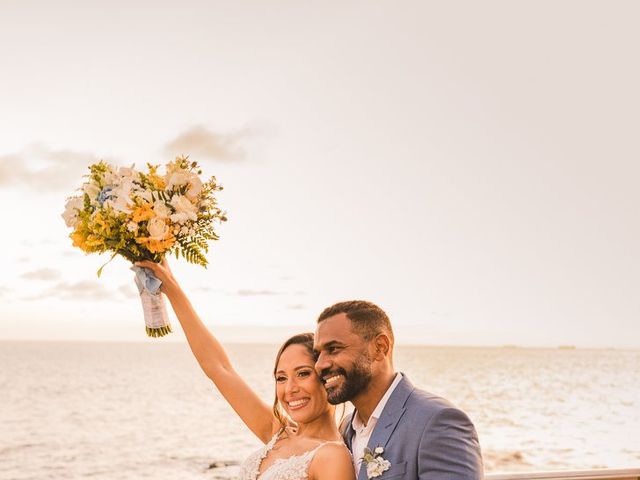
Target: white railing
x: 604, y: 474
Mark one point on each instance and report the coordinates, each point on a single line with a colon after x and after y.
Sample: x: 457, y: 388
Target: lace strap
x: 311, y: 453
x: 273, y: 440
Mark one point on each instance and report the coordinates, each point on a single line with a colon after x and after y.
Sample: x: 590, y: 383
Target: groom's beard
x: 355, y: 381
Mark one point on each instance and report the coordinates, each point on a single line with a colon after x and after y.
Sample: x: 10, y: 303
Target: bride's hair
x: 304, y: 339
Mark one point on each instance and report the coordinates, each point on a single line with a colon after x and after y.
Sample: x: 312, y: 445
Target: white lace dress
x: 295, y: 467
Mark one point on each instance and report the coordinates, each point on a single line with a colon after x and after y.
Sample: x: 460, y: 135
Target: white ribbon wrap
x: 153, y: 305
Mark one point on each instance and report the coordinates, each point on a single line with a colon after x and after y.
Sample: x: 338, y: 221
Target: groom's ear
x: 382, y: 344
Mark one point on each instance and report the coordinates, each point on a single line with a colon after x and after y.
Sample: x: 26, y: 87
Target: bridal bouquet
x: 144, y: 216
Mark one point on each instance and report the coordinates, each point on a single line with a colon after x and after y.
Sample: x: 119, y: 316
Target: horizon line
x: 509, y: 346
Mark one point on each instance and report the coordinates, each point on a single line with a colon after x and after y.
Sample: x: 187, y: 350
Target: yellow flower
x: 157, y: 246
x: 95, y: 243
x: 157, y: 181
x: 86, y: 241
x: 100, y: 225
x: 79, y: 240
x: 142, y: 213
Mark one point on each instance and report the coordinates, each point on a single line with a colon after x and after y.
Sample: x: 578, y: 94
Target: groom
x: 396, y: 430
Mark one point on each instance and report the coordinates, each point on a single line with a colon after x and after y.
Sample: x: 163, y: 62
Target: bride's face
x: 298, y: 386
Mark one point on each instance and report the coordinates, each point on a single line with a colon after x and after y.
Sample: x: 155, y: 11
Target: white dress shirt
x: 363, y: 432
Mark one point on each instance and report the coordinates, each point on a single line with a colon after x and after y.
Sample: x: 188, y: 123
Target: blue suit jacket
x: 424, y: 438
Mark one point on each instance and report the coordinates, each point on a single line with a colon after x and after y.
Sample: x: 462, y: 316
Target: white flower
x: 128, y: 172
x: 120, y: 196
x: 146, y: 195
x: 132, y: 227
x: 120, y: 203
x: 92, y: 190
x: 179, y: 218
x: 195, y: 187
x: 374, y: 469
x: 178, y: 178
x: 376, y: 465
x: 160, y: 209
x: 157, y: 228
x: 185, y: 210
x: 71, y: 209
x: 110, y: 178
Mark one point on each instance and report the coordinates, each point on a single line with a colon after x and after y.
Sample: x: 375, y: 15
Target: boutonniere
x: 376, y: 464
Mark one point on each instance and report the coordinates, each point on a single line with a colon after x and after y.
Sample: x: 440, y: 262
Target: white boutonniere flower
x: 375, y: 463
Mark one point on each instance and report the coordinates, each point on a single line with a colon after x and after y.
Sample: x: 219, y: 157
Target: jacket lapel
x: 380, y: 436
x: 391, y: 414
x: 347, y: 430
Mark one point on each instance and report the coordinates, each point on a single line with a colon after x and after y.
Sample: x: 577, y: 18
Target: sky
x: 471, y: 167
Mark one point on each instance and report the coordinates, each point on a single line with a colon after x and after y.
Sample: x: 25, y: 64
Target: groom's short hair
x: 367, y: 319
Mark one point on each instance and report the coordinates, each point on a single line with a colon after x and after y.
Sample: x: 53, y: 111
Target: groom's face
x: 343, y: 360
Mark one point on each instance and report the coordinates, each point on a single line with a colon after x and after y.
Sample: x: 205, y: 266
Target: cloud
x: 246, y: 292
x: 49, y: 170
x: 128, y: 291
x: 201, y: 143
x: 206, y: 289
x: 297, y: 306
x: 44, y: 169
x: 81, y: 291
x: 42, y: 274
x: 37, y: 243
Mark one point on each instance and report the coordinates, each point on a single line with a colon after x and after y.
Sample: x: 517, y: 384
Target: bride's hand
x: 163, y: 272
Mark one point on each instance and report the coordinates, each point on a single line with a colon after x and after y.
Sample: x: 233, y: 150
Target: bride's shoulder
x: 332, y: 461
x: 333, y: 448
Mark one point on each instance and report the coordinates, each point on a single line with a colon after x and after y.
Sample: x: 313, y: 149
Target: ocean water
x: 135, y: 411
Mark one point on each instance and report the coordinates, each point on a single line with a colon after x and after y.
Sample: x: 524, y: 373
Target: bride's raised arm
x: 213, y: 359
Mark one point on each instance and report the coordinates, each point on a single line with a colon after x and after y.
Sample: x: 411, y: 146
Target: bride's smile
x: 297, y: 404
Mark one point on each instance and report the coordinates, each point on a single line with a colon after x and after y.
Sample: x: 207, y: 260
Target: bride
x: 313, y: 449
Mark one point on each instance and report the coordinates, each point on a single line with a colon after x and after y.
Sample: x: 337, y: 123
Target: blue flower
x: 104, y: 195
